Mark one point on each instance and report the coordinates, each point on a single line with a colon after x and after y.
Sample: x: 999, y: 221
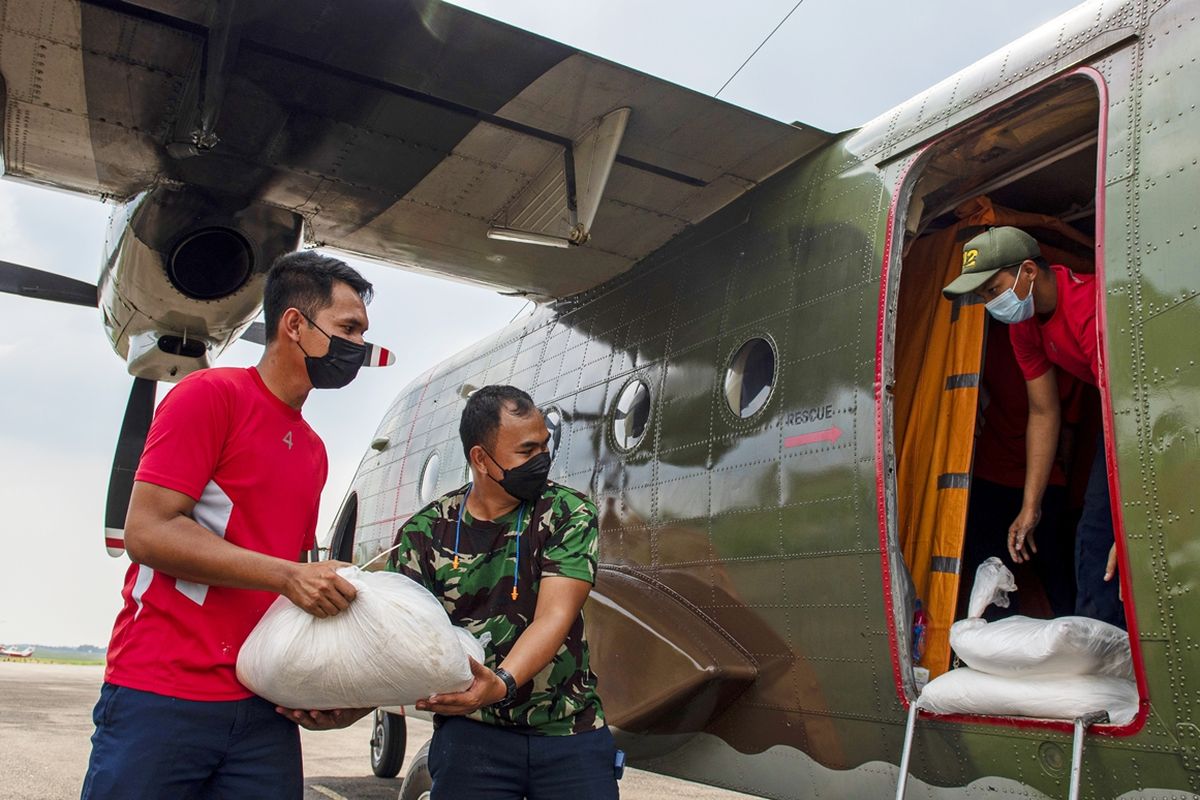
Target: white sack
x: 993, y: 582
x: 966, y: 691
x: 392, y: 647
x: 1019, y: 646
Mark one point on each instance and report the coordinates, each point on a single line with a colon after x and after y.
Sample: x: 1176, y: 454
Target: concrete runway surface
x: 45, y: 725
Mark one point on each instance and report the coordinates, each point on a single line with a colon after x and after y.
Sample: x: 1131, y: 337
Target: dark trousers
x: 149, y: 746
x: 469, y: 759
x: 1093, y: 539
x: 991, y: 511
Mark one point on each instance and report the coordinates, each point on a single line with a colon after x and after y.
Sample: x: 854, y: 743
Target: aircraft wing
x: 400, y: 130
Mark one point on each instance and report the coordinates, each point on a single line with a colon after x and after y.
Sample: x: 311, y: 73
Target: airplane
x: 12, y: 652
x: 739, y: 341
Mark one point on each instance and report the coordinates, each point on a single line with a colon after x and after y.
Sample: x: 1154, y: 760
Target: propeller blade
x: 376, y: 356
x: 41, y: 285
x: 132, y: 440
x: 256, y: 334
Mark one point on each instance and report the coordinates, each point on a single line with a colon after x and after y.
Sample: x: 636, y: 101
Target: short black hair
x: 304, y: 281
x: 481, y: 416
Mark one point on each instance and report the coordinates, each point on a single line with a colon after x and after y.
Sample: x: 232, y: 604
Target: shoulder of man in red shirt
x: 1068, y: 337
x: 189, y: 428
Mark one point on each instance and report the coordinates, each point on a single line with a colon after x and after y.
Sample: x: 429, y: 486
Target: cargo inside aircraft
x: 959, y: 398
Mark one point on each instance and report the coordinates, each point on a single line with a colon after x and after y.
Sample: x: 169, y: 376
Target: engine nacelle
x: 183, y: 276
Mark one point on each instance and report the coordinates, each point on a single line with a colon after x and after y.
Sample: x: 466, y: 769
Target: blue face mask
x: 1010, y: 309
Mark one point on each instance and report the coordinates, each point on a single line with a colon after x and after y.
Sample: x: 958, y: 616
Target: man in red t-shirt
x: 998, y: 481
x: 224, y: 503
x: 1051, y: 313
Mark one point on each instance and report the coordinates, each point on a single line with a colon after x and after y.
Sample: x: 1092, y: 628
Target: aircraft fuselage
x: 753, y: 544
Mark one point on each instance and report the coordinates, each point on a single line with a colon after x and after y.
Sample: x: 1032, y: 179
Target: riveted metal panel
x: 751, y: 534
x: 1118, y: 73
x: 1080, y: 35
x: 1172, y: 452
x: 746, y: 483
x: 819, y: 521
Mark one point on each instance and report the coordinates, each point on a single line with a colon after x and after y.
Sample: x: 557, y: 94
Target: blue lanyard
x: 520, y: 529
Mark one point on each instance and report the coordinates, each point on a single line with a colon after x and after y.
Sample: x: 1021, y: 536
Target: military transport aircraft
x: 739, y: 342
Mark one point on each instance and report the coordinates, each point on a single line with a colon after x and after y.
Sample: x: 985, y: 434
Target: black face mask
x: 337, y: 367
x: 526, y: 481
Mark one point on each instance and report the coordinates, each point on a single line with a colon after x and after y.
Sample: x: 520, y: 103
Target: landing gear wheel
x: 388, y: 734
x: 417, y: 782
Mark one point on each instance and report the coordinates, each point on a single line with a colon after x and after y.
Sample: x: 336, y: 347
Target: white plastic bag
x: 992, y: 584
x: 393, y: 646
x: 967, y: 691
x: 1020, y: 646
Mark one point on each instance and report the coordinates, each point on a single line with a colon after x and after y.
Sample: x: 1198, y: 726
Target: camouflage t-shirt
x: 559, y: 537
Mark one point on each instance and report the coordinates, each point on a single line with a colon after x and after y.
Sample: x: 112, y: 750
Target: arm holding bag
x: 393, y: 646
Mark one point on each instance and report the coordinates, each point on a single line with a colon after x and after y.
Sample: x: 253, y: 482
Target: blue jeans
x: 149, y: 746
x: 469, y: 759
x: 1094, y: 597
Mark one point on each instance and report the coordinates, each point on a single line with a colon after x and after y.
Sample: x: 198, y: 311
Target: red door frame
x: 1107, y: 414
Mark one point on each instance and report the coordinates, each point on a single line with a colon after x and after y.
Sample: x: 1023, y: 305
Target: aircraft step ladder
x: 1081, y: 726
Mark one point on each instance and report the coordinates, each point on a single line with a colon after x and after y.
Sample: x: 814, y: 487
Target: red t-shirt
x: 1068, y: 338
x: 1004, y: 412
x: 255, y: 470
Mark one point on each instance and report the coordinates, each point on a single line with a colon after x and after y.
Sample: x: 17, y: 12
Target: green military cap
x: 988, y: 253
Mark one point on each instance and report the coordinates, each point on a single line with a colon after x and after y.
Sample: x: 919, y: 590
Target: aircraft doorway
x: 956, y: 443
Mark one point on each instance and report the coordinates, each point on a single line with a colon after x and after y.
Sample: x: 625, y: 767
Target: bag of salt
x: 968, y: 691
x: 1020, y: 646
x: 393, y: 646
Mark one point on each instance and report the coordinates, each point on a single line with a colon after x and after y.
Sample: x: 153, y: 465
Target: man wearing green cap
x: 1051, y: 314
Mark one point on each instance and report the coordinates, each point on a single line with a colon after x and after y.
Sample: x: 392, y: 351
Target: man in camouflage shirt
x: 514, y: 556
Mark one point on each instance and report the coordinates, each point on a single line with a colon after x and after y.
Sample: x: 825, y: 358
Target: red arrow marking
x: 827, y: 435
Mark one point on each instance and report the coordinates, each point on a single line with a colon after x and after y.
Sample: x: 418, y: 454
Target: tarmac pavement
x: 45, y: 725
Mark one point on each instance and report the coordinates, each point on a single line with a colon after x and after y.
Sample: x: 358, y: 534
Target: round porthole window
x: 750, y: 377
x: 631, y: 415
x: 429, y: 479
x: 554, y: 423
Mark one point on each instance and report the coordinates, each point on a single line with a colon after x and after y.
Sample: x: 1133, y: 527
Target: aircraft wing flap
x: 458, y: 248
x: 402, y: 131
x: 684, y: 156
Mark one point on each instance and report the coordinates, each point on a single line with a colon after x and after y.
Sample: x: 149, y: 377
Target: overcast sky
x: 834, y: 65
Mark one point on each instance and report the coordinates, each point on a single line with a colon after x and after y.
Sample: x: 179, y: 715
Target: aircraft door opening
x: 955, y: 436
x: 341, y: 543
